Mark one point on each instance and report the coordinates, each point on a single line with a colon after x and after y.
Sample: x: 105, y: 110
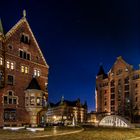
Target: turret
x: 101, y: 72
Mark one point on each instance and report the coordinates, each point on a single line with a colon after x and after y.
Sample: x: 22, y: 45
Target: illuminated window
x: 8, y: 64
x: 1, y: 61
x: 38, y: 101
x: 24, y: 69
x: 12, y: 65
x: 126, y: 69
x: 36, y: 72
x: 32, y: 100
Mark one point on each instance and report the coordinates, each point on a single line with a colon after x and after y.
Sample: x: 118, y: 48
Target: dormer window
x: 25, y: 39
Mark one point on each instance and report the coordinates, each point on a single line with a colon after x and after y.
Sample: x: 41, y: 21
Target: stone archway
x: 115, y: 121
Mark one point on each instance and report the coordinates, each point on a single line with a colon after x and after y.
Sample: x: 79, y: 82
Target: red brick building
x: 67, y: 112
x: 23, y: 77
x: 118, y: 91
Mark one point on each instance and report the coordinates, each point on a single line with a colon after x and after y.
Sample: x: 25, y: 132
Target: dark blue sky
x: 75, y: 36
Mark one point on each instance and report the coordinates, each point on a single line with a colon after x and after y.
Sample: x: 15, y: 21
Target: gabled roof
x: 34, y: 84
x: 123, y: 61
x: 14, y: 29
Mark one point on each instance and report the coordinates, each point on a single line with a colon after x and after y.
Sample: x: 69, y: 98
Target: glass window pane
x: 5, y: 99
x: 32, y: 100
x: 10, y: 100
x: 14, y: 101
x: 8, y: 64
x: 1, y: 61
x: 22, y: 68
x: 12, y: 65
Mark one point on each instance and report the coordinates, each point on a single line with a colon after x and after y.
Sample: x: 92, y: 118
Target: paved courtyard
x: 73, y: 134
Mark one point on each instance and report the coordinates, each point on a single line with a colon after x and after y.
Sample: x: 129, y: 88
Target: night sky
x: 76, y: 36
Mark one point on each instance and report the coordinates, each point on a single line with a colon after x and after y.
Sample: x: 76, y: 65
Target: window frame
x: 24, y: 38
x: 10, y: 98
x: 10, y: 82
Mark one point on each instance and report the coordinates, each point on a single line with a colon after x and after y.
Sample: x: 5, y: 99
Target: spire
x: 24, y: 13
x: 62, y: 99
x: 1, y: 28
x: 102, y: 72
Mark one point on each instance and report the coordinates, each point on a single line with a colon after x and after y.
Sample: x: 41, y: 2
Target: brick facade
x: 23, y: 60
x: 118, y: 92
